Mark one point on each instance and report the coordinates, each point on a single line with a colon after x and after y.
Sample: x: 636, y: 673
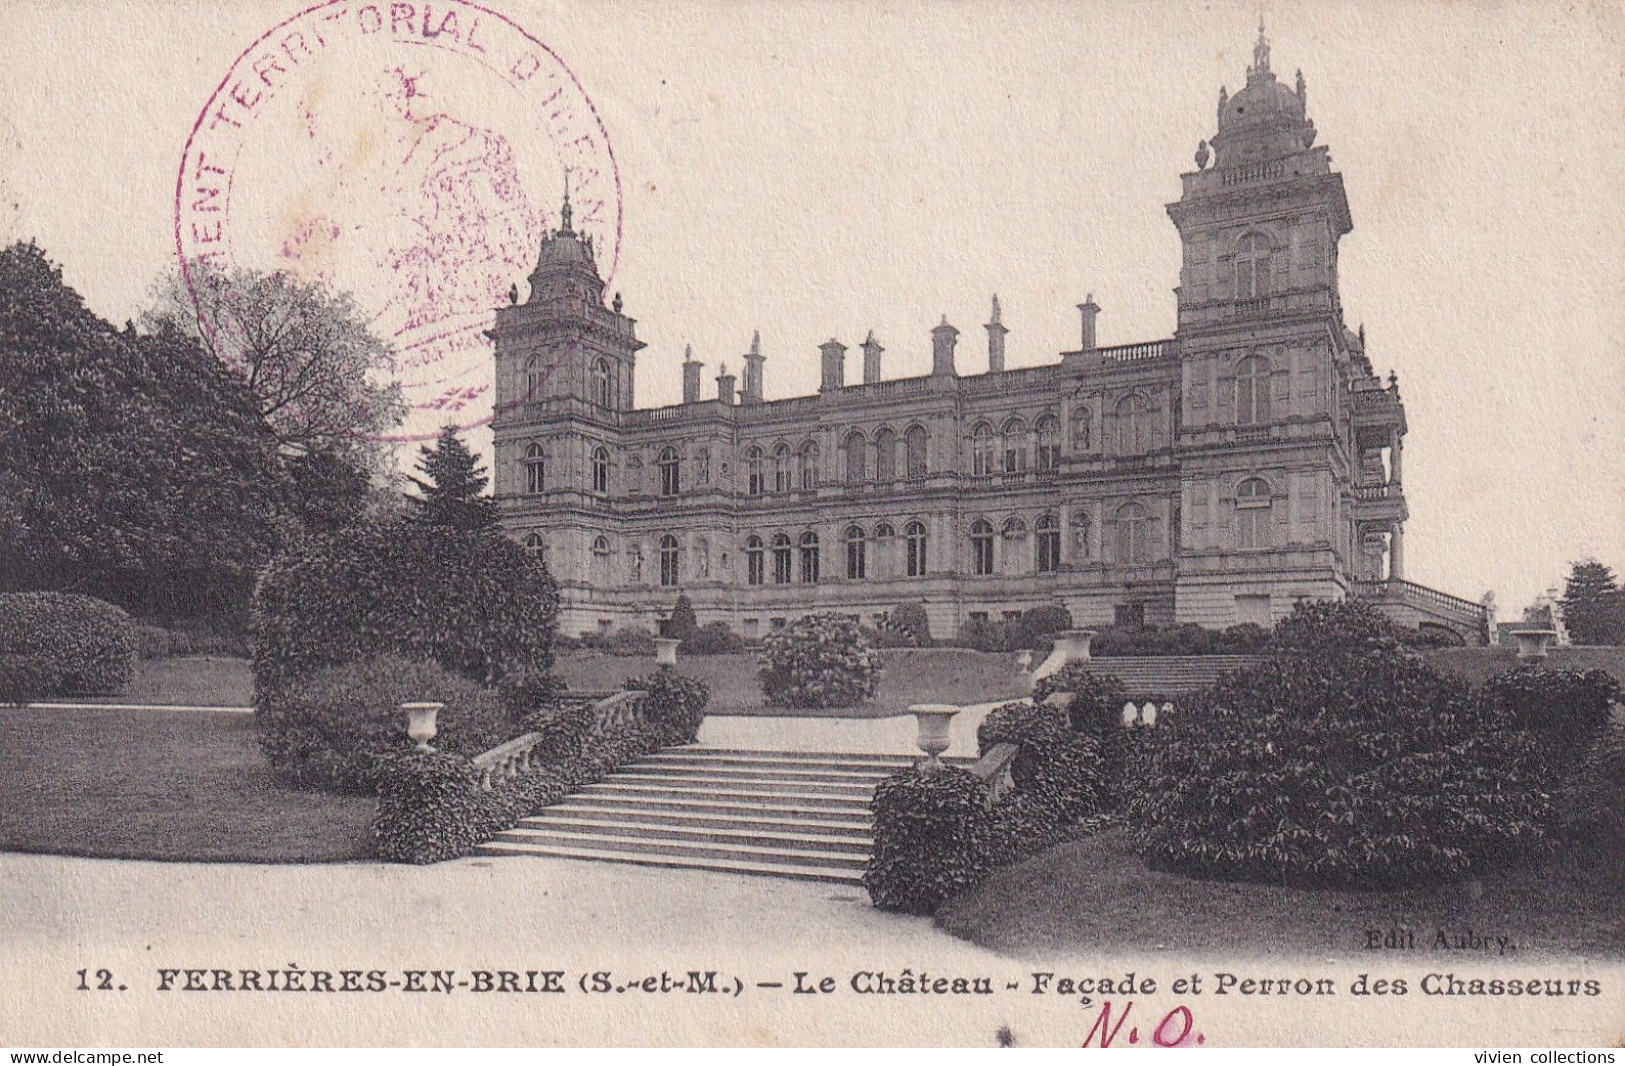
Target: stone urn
x: 1071, y: 645
x: 420, y: 722
x: 1532, y: 643
x: 666, y: 650
x: 933, y: 739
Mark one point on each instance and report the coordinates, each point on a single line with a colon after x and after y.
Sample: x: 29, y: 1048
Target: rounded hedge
x: 819, y: 660
x: 673, y: 705
x: 87, y: 646
x: 934, y: 837
x: 1343, y: 760
x: 473, y: 602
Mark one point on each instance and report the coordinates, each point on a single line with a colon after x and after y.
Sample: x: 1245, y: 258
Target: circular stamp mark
x: 411, y: 155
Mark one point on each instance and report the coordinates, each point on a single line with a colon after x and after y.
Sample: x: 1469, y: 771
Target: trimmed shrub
x: 682, y: 624
x: 819, y: 660
x: 330, y: 730
x: 1566, y: 709
x: 934, y: 838
x: 674, y: 705
x: 89, y: 643
x: 475, y: 603
x: 430, y: 808
x: 1060, y: 771
x: 25, y: 678
x: 713, y: 638
x: 1097, y: 698
x: 528, y: 693
x: 1344, y: 760
x: 1245, y: 638
x: 1040, y: 624
x: 909, y: 622
x: 982, y: 634
x: 630, y: 640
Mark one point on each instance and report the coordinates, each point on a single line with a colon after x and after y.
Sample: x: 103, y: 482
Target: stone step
x: 851, y: 861
x: 763, y: 806
x: 739, y: 760
x: 783, y: 836
x: 745, y: 783
x: 610, y: 854
x: 786, y: 775
x: 660, y: 789
x: 898, y: 759
x: 718, y: 816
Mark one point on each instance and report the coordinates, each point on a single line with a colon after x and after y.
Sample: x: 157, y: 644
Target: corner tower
x: 1267, y: 367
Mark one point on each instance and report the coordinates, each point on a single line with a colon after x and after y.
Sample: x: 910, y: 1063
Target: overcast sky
x: 818, y: 170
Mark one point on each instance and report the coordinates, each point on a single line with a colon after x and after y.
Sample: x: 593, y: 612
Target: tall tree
x: 307, y: 353
x: 451, y: 492
x: 1594, y: 605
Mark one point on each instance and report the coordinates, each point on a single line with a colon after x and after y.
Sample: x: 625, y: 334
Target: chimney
x: 754, y: 359
x: 725, y: 387
x: 871, y: 359
x: 942, y: 349
x: 995, y: 340
x: 1089, y: 309
x: 691, y: 376
x: 834, y: 364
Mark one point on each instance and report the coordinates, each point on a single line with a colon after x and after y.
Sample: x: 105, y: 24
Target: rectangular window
x: 1254, y: 609
x: 978, y: 616
x: 753, y: 628
x: 855, y: 560
x: 781, y: 566
x: 754, y: 567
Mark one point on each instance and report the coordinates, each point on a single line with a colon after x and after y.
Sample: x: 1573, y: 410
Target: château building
x: 1250, y: 461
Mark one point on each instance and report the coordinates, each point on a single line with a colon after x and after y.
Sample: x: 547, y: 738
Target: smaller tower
x: 943, y: 339
x: 691, y: 376
x: 833, y: 360
x: 871, y: 359
x: 752, y: 392
x: 995, y: 340
x: 1089, y: 309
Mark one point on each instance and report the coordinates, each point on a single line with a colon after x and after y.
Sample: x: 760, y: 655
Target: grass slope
x: 162, y: 785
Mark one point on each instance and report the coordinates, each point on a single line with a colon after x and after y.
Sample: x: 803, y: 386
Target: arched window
x: 755, y: 568
x: 781, y: 559
x: 669, y: 561
x: 1049, y: 444
x: 1133, y: 534
x: 1015, y: 446
x: 915, y: 441
x: 1135, y: 425
x: 781, y: 468
x: 535, y: 468
x: 1080, y: 536
x: 809, y: 464
x: 855, y: 465
x: 809, y: 558
x: 1253, y: 505
x: 670, y: 471
x: 1253, y: 391
x: 856, y: 556
x: 1014, y: 552
x: 1252, y: 267
x: 1082, y: 420
x: 600, y: 560
x: 981, y: 547
x: 914, y: 535
x: 885, y: 550
x: 602, y: 391
x: 981, y: 450
x: 885, y: 456
x: 753, y: 471
x: 536, y: 547
x: 1048, y: 529
x: 600, y: 471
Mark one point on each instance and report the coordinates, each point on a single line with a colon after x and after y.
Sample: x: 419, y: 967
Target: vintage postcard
x: 989, y: 524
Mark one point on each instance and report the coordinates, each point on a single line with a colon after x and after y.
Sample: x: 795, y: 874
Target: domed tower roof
x: 565, y: 253
x: 1266, y: 119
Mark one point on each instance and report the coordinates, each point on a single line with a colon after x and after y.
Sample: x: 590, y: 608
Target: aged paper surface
x: 812, y: 171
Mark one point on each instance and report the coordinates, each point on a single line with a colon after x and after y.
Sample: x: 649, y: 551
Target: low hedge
x: 674, y: 703
x: 934, y: 837
x: 26, y: 678
x: 431, y: 806
x: 329, y: 730
x: 88, y: 645
x: 1566, y: 709
x: 713, y: 638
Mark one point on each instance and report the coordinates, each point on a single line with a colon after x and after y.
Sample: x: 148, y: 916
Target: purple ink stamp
x: 411, y: 154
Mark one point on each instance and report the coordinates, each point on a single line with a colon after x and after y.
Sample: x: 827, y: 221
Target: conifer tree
x: 1594, y: 605
x: 451, y: 492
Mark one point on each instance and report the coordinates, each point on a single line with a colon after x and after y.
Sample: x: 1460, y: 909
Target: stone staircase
x: 1168, y: 675
x: 788, y: 814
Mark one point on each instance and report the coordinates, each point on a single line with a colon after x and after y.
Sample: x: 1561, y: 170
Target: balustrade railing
x: 1249, y: 172
x: 515, y: 757
x: 1134, y: 353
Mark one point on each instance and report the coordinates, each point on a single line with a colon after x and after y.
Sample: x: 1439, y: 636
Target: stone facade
x: 1216, y: 477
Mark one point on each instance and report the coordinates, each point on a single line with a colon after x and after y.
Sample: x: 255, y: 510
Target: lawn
x: 162, y: 785
x: 925, y: 675
x: 1095, y: 896
x: 188, y: 681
